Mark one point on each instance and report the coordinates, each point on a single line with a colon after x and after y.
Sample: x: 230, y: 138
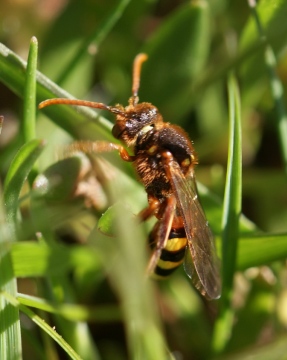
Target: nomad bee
x: 164, y: 159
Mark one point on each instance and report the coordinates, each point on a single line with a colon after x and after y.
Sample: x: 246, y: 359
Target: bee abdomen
x: 172, y: 255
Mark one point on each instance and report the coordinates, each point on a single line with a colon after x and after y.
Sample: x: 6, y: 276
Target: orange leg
x: 162, y: 233
x: 151, y: 210
x: 90, y: 147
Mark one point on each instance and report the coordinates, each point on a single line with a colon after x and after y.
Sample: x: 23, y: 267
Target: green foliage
x: 68, y: 232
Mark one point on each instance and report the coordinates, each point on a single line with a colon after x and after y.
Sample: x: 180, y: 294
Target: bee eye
x: 118, y: 129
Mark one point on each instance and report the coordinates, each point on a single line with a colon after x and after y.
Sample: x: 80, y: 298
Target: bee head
x: 135, y: 119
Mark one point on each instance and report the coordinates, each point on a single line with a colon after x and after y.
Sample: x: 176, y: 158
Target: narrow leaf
x: 231, y: 216
x: 261, y: 250
x: 12, y: 74
x: 73, y: 312
x: 275, y: 82
x: 29, y: 113
x: 95, y: 39
x: 233, y: 189
x: 50, y: 331
x: 33, y: 259
x: 10, y: 335
x: 177, y: 53
x: 17, y: 174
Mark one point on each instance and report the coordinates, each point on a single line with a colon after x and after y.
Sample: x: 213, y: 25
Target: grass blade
x: 184, y: 35
x: 233, y: 195
x: 276, y: 85
x: 73, y: 312
x: 44, y: 326
x: 29, y: 113
x: 94, y: 39
x: 73, y: 121
x: 126, y: 269
x: 38, y: 260
x: 10, y: 336
x: 231, y: 214
x: 17, y: 174
x: 29, y: 103
x: 261, y: 250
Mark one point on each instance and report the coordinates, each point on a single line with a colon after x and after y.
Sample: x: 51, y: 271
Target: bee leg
x: 94, y: 147
x: 152, y: 208
x: 162, y: 233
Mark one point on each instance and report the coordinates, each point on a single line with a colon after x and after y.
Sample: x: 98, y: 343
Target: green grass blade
x: 29, y: 111
x: 17, y: 174
x: 126, y: 268
x: 44, y: 326
x: 36, y: 259
x: 95, y: 39
x: 261, y: 250
x: 10, y: 336
x: 177, y: 53
x: 73, y: 121
x: 276, y: 84
x: 272, y: 18
x: 233, y: 190
x: 29, y: 103
x: 73, y: 312
x: 72, y: 331
x: 231, y: 215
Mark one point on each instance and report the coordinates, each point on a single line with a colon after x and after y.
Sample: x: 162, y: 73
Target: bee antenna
x: 138, y: 61
x: 91, y: 104
x: 137, y: 65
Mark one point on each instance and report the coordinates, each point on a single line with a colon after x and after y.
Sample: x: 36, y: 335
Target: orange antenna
x: 91, y: 104
x: 138, y: 61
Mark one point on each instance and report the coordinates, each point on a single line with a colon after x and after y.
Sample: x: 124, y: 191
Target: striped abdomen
x: 172, y: 254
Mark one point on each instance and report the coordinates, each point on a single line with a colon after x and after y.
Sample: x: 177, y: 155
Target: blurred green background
x: 87, y: 47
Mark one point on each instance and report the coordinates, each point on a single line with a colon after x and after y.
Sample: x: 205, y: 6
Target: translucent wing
x: 203, y: 265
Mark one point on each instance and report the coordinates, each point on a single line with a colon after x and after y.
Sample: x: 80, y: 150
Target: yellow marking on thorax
x: 146, y: 129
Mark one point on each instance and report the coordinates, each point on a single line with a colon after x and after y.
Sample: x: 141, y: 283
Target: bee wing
x: 203, y: 265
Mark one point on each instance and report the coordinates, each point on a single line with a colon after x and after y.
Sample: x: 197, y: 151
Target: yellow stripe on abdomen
x: 172, y: 255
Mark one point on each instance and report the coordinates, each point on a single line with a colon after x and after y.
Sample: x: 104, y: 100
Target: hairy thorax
x: 150, y: 147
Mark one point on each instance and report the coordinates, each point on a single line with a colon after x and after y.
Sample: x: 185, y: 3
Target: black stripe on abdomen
x: 172, y: 255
